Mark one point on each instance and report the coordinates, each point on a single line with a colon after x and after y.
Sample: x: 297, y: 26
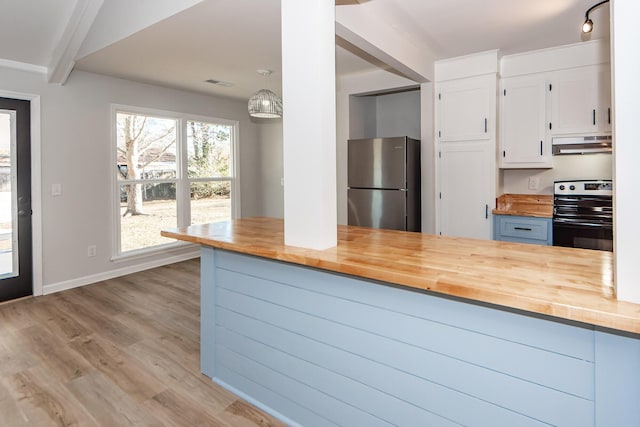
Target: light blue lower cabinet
x: 315, y: 348
x: 523, y: 229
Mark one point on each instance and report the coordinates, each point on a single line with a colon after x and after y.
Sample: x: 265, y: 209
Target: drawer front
x: 524, y: 228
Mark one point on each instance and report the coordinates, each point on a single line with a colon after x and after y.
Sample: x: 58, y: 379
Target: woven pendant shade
x: 265, y: 104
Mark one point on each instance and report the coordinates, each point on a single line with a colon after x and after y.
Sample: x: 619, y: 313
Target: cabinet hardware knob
x: 485, y: 125
x: 594, y: 117
x: 541, y: 148
x: 522, y: 228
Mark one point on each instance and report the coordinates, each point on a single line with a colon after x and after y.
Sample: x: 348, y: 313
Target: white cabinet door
x: 524, y: 142
x: 603, y: 101
x: 581, y: 100
x: 464, y: 109
x: 572, y: 101
x: 465, y: 189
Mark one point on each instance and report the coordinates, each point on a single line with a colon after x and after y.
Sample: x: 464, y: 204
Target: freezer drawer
x: 378, y: 208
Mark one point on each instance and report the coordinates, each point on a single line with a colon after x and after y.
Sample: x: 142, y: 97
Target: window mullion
x: 182, y: 187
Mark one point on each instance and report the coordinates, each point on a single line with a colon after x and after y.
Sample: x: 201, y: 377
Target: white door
x: 523, y: 139
x: 465, y: 196
x: 464, y: 110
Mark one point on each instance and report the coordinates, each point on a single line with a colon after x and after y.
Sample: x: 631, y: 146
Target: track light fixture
x: 587, y: 26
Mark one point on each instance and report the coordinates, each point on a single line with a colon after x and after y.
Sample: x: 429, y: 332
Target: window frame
x: 182, y: 180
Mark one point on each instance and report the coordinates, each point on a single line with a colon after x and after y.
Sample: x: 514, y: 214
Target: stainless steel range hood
x: 581, y: 145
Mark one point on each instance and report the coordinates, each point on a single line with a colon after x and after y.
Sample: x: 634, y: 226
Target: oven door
x: 586, y: 235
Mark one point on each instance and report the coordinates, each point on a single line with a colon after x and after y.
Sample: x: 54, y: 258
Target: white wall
x: 362, y: 117
x: 398, y: 114
x: 626, y: 110
x: 428, y: 152
x: 75, y: 152
x: 591, y: 166
x: 271, y: 168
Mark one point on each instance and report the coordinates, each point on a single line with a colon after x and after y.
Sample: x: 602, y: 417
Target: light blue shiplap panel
x: 433, y: 374
x: 269, y: 398
x: 292, y: 377
x: 617, y: 379
x: 207, y: 313
x: 568, y: 375
x: 392, y: 394
x: 567, y: 339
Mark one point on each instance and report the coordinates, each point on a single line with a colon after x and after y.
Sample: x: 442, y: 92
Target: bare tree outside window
x: 147, y: 172
x: 146, y: 144
x: 155, y: 181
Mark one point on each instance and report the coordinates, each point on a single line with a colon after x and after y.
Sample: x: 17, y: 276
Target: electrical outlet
x: 56, y: 190
x: 534, y: 182
x: 91, y: 250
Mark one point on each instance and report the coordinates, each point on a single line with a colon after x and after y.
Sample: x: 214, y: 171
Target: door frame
x: 36, y: 185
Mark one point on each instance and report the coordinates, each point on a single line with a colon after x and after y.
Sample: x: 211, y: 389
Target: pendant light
x: 264, y: 103
x: 587, y: 26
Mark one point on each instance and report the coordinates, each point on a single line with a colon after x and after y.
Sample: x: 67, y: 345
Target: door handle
x: 594, y: 117
x: 486, y: 211
x: 522, y: 228
x: 485, y: 125
x: 541, y: 148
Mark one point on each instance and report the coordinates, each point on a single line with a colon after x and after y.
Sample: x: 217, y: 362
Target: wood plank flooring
x: 121, y: 352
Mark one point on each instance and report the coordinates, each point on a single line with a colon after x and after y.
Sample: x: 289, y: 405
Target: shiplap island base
x: 395, y: 328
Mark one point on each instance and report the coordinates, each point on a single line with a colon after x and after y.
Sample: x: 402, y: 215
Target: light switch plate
x: 534, y: 182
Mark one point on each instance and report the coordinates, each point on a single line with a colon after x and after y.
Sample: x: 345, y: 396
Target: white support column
x: 309, y: 123
x: 626, y: 108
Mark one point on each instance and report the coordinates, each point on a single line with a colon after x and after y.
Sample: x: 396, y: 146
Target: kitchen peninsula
x: 400, y: 328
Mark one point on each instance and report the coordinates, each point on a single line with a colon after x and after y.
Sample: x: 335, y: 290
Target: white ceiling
x: 230, y: 39
x: 460, y: 27
x: 31, y: 29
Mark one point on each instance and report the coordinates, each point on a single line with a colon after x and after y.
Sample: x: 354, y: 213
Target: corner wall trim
x: 94, y: 278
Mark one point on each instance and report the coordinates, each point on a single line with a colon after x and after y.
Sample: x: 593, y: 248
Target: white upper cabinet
x: 603, y: 102
x: 524, y: 139
x: 580, y: 100
x: 465, y: 109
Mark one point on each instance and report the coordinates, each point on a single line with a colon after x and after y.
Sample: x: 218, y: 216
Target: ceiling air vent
x: 219, y: 82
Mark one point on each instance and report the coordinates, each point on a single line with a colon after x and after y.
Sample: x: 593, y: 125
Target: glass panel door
x: 16, y: 266
x: 8, y: 200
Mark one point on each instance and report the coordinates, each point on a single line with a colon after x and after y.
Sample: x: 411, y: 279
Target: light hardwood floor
x: 116, y: 353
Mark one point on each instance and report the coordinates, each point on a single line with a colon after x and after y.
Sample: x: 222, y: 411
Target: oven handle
x: 575, y: 223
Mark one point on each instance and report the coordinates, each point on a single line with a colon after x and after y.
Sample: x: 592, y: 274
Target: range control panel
x: 583, y: 188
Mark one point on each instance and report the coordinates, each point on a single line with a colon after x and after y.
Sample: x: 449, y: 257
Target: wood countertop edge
x: 627, y: 319
x: 522, y: 213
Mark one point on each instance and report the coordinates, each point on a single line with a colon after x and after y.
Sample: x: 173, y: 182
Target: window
x: 171, y: 170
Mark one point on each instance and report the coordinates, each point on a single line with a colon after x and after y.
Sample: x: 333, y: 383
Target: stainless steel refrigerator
x: 384, y: 183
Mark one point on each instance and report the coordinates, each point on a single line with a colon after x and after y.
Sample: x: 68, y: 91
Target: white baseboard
x: 87, y: 280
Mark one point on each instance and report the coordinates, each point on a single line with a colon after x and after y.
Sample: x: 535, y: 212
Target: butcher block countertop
x: 535, y: 205
x: 568, y: 283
